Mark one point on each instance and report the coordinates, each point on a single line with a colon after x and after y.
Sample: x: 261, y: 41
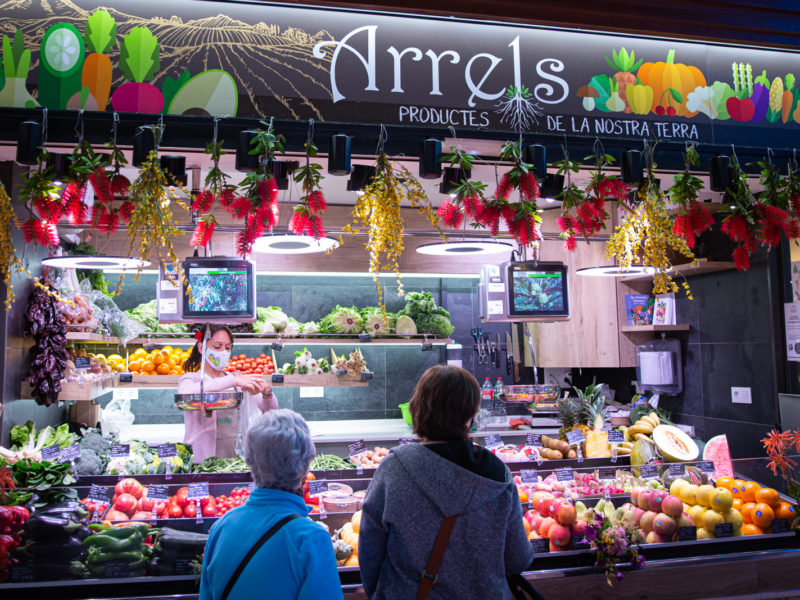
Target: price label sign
x: 317, y: 487
x: 687, y: 534
x: 51, y: 453
x: 167, y: 451
x: 534, y: 440
x: 529, y: 476
x: 493, y: 441
x: 565, y: 474
x: 198, y: 491
x: 120, y: 450
x: 408, y: 440
x: 649, y: 471
x: 706, y: 466
x: 340, y: 372
x: 607, y: 473
x: 277, y: 378
x: 126, y: 377
x: 71, y: 453
x: 780, y: 526
x: 276, y: 346
x: 364, y: 338
x: 575, y: 437
x: 356, y: 448
x: 20, y: 574
x: 678, y: 470
x: 724, y: 530
x: 540, y: 545
x: 427, y: 346
x: 158, y: 492
x: 99, y: 493
x: 366, y: 376
x: 83, y: 362
x: 117, y: 568
x: 615, y: 437
x: 183, y: 567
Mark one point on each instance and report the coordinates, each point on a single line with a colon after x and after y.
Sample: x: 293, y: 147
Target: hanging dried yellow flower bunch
x: 377, y: 211
x: 10, y: 264
x: 152, y: 225
x: 646, y: 234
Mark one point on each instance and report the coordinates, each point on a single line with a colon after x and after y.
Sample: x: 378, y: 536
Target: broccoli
x: 93, y: 440
x: 88, y: 463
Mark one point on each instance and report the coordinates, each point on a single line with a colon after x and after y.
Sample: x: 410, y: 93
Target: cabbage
x: 436, y: 324
x: 292, y: 328
x: 375, y: 323
x: 309, y: 327
x: 341, y: 320
x: 271, y: 315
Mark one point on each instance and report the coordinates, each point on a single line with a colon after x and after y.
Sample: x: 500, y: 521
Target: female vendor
x: 216, y: 435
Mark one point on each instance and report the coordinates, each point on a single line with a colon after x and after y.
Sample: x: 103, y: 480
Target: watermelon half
x: 717, y: 451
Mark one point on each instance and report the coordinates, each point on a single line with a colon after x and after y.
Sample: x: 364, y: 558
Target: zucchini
x: 175, y: 541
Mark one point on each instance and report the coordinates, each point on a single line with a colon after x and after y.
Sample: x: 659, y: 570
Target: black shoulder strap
x: 256, y: 547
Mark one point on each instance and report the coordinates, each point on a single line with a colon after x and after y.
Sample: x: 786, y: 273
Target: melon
x: 642, y: 452
x: 211, y: 92
x: 718, y: 452
x: 674, y: 445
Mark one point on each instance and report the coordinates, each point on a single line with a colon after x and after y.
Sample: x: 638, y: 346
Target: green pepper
x: 121, y: 532
x: 113, y: 544
x: 98, y: 556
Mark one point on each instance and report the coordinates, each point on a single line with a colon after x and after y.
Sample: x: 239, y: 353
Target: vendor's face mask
x: 218, y: 359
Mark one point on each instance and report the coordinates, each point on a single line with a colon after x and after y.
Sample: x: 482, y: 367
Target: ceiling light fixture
x: 465, y: 248
x: 293, y: 244
x: 94, y: 262
x: 615, y: 271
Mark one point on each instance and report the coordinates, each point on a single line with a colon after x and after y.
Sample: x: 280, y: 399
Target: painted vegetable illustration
x: 60, y: 65
x: 625, y: 65
x: 741, y: 106
x: 16, y: 62
x: 101, y: 33
x: 640, y: 97
x: 775, y: 100
x: 615, y: 103
x: 760, y: 97
x: 602, y: 84
x: 211, y: 92
x: 139, y: 62
x: 789, y: 97
x: 171, y: 86
x: 676, y: 78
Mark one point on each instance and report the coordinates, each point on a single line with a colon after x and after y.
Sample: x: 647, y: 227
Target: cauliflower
x: 309, y: 327
x: 701, y: 99
x: 292, y: 328
x: 133, y: 464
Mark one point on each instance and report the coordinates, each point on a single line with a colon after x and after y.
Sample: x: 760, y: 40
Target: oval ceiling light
x: 615, y: 271
x: 94, y: 262
x: 464, y: 248
x: 293, y: 244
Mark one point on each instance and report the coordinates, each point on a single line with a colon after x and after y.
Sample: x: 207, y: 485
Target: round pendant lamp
x: 293, y: 244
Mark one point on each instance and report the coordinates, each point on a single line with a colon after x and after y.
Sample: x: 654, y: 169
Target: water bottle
x: 498, y: 408
x: 487, y: 394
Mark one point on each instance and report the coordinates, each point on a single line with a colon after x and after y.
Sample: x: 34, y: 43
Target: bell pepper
x: 7, y: 544
x: 640, y: 97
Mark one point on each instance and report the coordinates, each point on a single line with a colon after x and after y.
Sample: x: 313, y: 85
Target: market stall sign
x: 317, y: 487
x: 356, y: 448
x: 706, y: 466
x: 51, y: 453
x: 649, y: 471
x: 157, y: 492
x: 575, y: 437
x: 687, y: 534
x: 198, y: 491
x: 167, y: 451
x: 540, y: 545
x: 534, y: 440
x: 493, y: 441
x: 615, y: 437
x: 120, y: 450
x: 71, y: 453
x: 529, y: 476
x: 565, y: 474
x: 607, y: 473
x: 100, y: 493
x: 677, y: 470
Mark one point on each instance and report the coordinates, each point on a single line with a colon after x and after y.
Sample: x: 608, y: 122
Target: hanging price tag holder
x: 677, y: 470
x: 197, y: 492
x: 607, y: 473
x: 51, y: 453
x: 575, y: 438
x: 165, y: 453
x: 649, y: 471
x: 120, y: 450
x: 534, y: 440
x: 366, y: 376
x: 529, y: 476
x: 83, y: 363
x: 364, y: 338
x: 565, y: 474
x: 687, y: 534
x: 493, y: 441
x: 541, y: 545
x: 615, y: 438
x: 780, y: 526
x: 126, y: 377
x: 100, y: 495
x: 157, y: 493
x: 355, y: 450
x: 277, y: 378
x: 724, y: 530
x: 706, y: 466
x: 70, y: 454
x: 316, y: 489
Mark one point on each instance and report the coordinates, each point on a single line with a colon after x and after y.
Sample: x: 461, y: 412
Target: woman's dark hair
x: 445, y: 400
x: 192, y: 363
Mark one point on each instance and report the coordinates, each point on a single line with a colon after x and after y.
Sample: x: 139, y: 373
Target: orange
x: 167, y: 349
x: 747, y: 511
x: 749, y: 491
x: 523, y: 495
x: 750, y: 529
x: 737, y: 488
x: 139, y: 352
x: 737, y: 504
x: 134, y: 366
x: 763, y: 515
x: 768, y: 496
x: 157, y: 358
x: 162, y: 369
x: 527, y: 526
x: 148, y: 366
x: 726, y: 482
x: 786, y: 511
x: 174, y: 372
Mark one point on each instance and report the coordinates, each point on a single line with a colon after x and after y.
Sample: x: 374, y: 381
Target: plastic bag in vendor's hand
x: 117, y: 419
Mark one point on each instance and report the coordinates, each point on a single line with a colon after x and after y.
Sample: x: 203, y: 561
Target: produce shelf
x: 654, y: 328
x: 91, y: 336
x: 324, y: 380
x: 150, y: 381
x: 702, y: 267
x: 252, y: 339
x: 77, y: 392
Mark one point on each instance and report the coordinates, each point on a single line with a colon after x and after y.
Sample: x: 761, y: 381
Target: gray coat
x: 412, y: 491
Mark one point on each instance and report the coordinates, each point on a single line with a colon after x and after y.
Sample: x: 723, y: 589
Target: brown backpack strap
x: 430, y: 574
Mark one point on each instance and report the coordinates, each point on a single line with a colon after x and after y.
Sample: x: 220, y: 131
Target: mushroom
x: 588, y: 93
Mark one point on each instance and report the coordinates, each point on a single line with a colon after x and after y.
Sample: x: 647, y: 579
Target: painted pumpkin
x: 669, y: 75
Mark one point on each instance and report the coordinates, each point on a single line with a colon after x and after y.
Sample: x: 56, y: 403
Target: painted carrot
x: 100, y: 37
x: 789, y: 93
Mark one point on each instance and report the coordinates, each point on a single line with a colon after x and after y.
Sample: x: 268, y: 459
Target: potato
x: 572, y: 454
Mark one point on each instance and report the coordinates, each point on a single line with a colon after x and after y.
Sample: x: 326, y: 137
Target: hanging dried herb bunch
x: 377, y: 211
x: 467, y: 198
x: 258, y: 205
x: 693, y: 218
x: 646, y: 234
x: 215, y: 187
x: 10, y: 264
x: 152, y: 228
x: 41, y: 196
x: 307, y: 215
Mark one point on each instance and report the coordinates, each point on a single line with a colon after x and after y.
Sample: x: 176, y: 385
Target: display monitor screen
x: 538, y: 289
x: 220, y: 287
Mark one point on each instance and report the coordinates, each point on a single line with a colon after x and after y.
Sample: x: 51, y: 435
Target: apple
x: 654, y: 538
x: 543, y: 503
x: 559, y: 535
x: 664, y: 525
x: 646, y: 522
x: 656, y: 498
x: 579, y: 528
x: 672, y: 506
x: 643, y: 501
x: 637, y: 514
x: 635, y: 493
x: 684, y: 521
x: 565, y: 513
x: 534, y: 519
x: 545, y: 525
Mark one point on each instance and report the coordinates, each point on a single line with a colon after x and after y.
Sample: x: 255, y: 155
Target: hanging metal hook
x: 269, y: 128
x: 567, y: 170
x: 770, y: 155
x: 452, y: 131
x: 310, y: 136
x: 44, y: 126
x: 598, y: 149
x: 114, y: 125
x: 79, y: 127
x: 382, y: 137
x: 216, y: 129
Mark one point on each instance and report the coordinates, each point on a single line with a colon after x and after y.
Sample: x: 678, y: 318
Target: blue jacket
x: 296, y: 563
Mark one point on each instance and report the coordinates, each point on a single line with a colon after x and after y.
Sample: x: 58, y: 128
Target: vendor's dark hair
x: 192, y: 363
x: 444, y: 401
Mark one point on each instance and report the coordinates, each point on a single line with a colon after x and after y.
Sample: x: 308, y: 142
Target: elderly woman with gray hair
x: 268, y: 548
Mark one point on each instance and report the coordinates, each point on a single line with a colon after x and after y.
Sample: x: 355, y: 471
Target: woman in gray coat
x: 446, y: 475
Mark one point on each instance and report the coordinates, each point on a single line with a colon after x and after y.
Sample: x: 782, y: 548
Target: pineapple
x: 596, y: 439
x: 568, y: 415
x: 587, y: 399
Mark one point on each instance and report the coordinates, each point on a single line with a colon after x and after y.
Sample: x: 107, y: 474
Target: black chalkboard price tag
x: 427, y: 346
x: 404, y: 441
x: 126, y: 377
x: 167, y: 451
x: 724, y: 530
x: 534, y: 440
x: 317, y: 487
x: 687, y: 534
x: 183, y: 567
x: 607, y: 473
x: 120, y: 450
x: 706, y: 466
x: 277, y: 378
x: 157, y: 492
x: 529, y: 476
x: 71, y: 453
x: 117, y: 568
x: 356, y: 448
x: 198, y: 491
x: 565, y: 474
x: 615, y: 437
x: 677, y: 470
x: 540, y: 545
x: 83, y: 362
x: 364, y: 338
x: 99, y: 493
x: 493, y: 441
x: 276, y: 346
x: 649, y: 471
x: 575, y: 437
x: 340, y: 372
x: 20, y: 574
x: 51, y: 453
x: 780, y: 526
x: 366, y: 376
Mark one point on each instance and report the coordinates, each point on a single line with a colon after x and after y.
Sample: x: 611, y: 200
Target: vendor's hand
x: 249, y: 383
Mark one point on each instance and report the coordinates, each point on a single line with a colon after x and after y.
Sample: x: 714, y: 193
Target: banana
x: 623, y: 451
x: 646, y: 426
x: 649, y: 420
x: 640, y: 436
x: 654, y: 415
x: 625, y: 445
x: 639, y: 427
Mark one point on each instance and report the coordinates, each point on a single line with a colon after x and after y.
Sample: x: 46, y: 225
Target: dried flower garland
x: 10, y: 264
x: 111, y: 204
x: 215, y: 187
x: 693, y: 218
x: 467, y: 197
x: 307, y: 215
x: 40, y: 194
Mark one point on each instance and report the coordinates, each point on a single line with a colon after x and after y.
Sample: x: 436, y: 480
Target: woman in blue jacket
x: 297, y: 562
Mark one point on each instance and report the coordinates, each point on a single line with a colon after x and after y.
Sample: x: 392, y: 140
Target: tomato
x: 174, y: 511
x: 262, y: 355
x: 146, y: 504
x: 142, y: 516
x: 115, y: 515
x: 182, y: 496
x: 310, y: 476
x: 126, y: 503
x: 190, y: 510
x: 129, y: 486
x: 210, y: 510
x: 242, y: 356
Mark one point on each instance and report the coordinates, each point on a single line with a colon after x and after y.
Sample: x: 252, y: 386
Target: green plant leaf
x: 138, y: 58
x: 171, y: 86
x: 101, y: 32
x: 676, y: 95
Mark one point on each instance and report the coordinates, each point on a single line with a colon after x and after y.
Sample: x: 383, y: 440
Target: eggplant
x: 48, y: 527
x: 50, y: 551
x: 68, y: 510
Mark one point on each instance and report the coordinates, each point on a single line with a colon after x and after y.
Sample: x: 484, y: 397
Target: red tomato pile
x: 238, y: 497
x: 251, y: 366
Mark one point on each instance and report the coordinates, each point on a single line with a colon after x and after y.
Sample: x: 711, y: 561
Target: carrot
x: 787, y: 100
x: 97, y: 77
